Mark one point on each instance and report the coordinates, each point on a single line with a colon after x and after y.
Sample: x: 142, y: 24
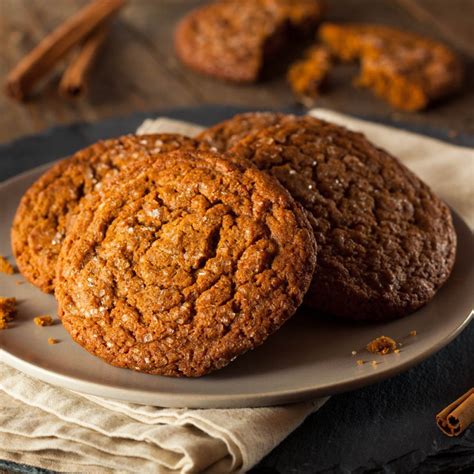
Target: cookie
x: 308, y: 75
x: 386, y: 243
x: 44, y: 212
x: 233, y: 39
x: 184, y: 265
x: 407, y: 70
x: 226, y: 134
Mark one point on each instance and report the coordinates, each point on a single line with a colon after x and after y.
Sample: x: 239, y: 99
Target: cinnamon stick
x: 457, y: 416
x: 42, y: 59
x: 73, y: 82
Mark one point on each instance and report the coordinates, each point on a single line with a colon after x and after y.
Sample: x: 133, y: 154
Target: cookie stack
x: 173, y: 256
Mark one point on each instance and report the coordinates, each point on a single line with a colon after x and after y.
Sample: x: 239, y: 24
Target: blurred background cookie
x: 409, y: 71
x: 234, y: 39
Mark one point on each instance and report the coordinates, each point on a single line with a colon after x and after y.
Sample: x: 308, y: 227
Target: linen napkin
x: 54, y: 428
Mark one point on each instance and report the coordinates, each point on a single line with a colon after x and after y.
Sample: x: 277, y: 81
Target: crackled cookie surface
x: 386, y: 243
x: 226, y: 134
x: 232, y: 39
x: 188, y: 263
x: 44, y: 212
x: 407, y: 70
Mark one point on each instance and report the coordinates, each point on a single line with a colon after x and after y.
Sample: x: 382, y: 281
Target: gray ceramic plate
x: 308, y: 357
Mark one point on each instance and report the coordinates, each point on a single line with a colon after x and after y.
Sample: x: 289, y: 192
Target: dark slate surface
x: 387, y: 427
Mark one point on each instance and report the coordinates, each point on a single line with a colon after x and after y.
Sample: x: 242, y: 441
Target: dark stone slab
x: 387, y: 427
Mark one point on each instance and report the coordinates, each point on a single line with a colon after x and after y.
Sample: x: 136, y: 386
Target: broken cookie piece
x: 382, y: 345
x: 307, y: 76
x: 6, y: 266
x: 407, y: 70
x: 43, y: 320
x: 7, y: 310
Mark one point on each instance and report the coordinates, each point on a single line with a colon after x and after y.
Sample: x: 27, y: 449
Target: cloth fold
x: 54, y: 428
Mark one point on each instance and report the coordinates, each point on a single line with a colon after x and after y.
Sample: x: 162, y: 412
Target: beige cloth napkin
x: 62, y: 430
x: 57, y: 429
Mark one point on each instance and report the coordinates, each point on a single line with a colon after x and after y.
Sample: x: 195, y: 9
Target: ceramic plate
x: 309, y: 357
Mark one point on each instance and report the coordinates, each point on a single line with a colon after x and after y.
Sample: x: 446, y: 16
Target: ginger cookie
x: 226, y: 134
x: 44, y: 212
x: 233, y: 39
x: 386, y: 242
x: 407, y: 70
x: 186, y: 264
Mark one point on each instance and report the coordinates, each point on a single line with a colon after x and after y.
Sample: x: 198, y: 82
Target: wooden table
x: 138, y: 70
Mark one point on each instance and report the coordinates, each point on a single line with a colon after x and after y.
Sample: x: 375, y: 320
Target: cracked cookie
x: 224, y: 135
x: 233, y: 39
x: 407, y: 70
x: 184, y: 265
x: 44, y: 212
x: 386, y: 242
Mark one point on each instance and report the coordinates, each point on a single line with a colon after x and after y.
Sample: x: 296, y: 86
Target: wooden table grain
x: 138, y: 70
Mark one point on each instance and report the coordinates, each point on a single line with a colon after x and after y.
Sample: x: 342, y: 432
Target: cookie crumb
x: 354, y: 353
x: 382, y: 345
x: 374, y: 363
x: 43, y: 320
x: 7, y: 310
x: 397, y: 351
x: 360, y: 362
x: 52, y: 341
x: 308, y: 75
x: 413, y: 333
x: 6, y: 266
x: 20, y: 282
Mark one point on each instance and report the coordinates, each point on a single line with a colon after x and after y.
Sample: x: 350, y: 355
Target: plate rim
x: 262, y: 399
